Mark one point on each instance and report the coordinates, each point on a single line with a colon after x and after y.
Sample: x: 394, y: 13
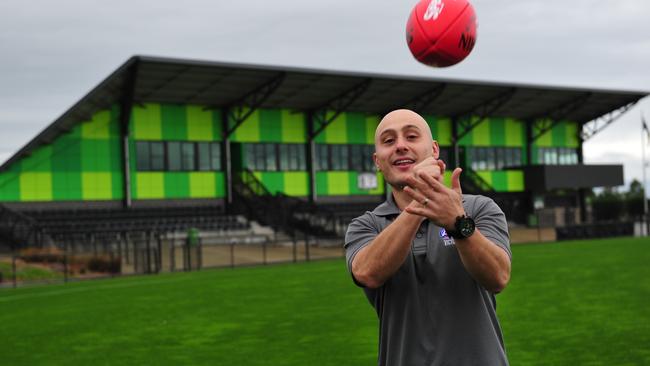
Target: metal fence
x: 102, y: 256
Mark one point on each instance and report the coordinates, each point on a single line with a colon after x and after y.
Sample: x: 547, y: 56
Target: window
x: 322, y: 157
x: 143, y: 156
x: 275, y: 157
x: 215, y: 155
x: 204, y: 156
x: 174, y: 156
x: 271, y: 158
x: 491, y: 158
x: 177, y: 156
x: 157, y: 156
x: 557, y: 155
x: 187, y: 156
x: 339, y: 157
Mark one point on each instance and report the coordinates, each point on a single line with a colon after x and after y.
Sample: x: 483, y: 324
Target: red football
x: 441, y: 33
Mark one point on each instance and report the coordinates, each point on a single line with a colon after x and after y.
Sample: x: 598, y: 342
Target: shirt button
x: 418, y: 235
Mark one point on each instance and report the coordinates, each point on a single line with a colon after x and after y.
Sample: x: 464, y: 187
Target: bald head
x: 399, y: 119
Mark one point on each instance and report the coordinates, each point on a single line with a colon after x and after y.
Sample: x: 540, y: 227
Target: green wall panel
x: 294, y: 127
x: 202, y: 185
x: 515, y: 133
x: 200, y: 124
x: 217, y: 126
x: 499, y: 181
x: 296, y: 183
x: 249, y: 130
x: 176, y: 184
x: 338, y: 183
x: 497, y: 132
x: 371, y: 126
x: 173, y: 122
x: 571, y: 138
x: 67, y: 186
x: 515, y: 180
x: 9, y: 186
x: 146, y: 122
x: 270, y: 125
x: 440, y: 129
x: 336, y: 132
x: 321, y: 184
x: 150, y: 185
x: 36, y: 186
x: 273, y: 181
x: 563, y: 134
x: 97, y: 186
x: 559, y: 134
x: 356, y: 128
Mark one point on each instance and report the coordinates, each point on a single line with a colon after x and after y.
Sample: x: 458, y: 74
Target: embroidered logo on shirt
x: 445, y: 238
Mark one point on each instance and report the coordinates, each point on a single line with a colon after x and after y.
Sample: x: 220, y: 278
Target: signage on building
x: 367, y: 181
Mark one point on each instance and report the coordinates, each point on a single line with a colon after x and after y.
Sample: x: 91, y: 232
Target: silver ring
x: 424, y: 203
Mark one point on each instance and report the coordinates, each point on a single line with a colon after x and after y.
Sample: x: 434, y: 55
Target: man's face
x: 402, y: 140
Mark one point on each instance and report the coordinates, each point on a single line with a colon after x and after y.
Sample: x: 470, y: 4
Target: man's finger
x: 442, y: 166
x: 415, y: 195
x: 455, y: 180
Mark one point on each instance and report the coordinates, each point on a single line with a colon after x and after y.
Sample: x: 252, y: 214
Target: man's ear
x: 436, y: 149
x: 374, y: 158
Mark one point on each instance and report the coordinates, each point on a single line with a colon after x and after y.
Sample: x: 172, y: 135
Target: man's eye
x: 412, y: 137
x: 388, y: 141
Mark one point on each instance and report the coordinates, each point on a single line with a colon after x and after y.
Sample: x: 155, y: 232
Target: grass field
x: 572, y: 303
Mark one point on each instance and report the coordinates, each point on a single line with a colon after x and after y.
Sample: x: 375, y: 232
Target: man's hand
x: 430, y: 166
x: 435, y: 201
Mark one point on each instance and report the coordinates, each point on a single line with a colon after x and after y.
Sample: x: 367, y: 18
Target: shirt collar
x: 389, y: 207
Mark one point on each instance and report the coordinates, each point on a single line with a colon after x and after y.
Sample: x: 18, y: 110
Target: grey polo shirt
x: 431, y: 311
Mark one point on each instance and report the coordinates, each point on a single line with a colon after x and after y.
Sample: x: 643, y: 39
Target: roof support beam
x: 591, y: 128
x: 541, y: 124
x: 336, y: 106
x: 239, y: 110
x: 483, y: 110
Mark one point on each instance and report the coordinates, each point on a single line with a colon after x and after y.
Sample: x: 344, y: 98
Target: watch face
x: 466, y: 227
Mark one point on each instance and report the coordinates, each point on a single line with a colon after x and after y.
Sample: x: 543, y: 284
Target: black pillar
x: 311, y: 157
x: 126, y: 105
x: 226, y: 157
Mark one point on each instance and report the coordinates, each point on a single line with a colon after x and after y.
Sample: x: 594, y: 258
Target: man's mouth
x: 403, y: 162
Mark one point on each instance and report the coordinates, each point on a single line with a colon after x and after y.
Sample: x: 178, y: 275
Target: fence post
x: 159, y: 254
x: 295, y: 249
x: 13, y: 268
x: 307, y: 258
x: 266, y: 239
x: 172, y: 254
x: 199, y: 253
x: 65, y: 261
x: 232, y: 254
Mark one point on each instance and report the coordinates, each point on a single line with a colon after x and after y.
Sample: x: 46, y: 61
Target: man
x: 429, y: 259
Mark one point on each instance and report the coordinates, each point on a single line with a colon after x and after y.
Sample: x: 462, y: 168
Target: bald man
x: 430, y: 259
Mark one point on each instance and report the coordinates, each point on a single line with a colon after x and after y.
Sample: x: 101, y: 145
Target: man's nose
x: 401, y: 145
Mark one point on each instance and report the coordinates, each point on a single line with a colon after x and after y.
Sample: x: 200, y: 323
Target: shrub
x: 105, y: 264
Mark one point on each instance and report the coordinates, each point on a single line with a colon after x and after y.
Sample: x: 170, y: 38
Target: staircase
x: 472, y: 183
x: 18, y: 230
x: 290, y: 215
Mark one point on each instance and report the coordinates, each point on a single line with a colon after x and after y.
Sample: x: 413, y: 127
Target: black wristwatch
x: 463, y: 227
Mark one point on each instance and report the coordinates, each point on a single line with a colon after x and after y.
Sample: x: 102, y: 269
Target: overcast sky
x: 53, y: 53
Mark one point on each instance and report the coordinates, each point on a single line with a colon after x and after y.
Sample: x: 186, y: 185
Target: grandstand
x: 167, y: 145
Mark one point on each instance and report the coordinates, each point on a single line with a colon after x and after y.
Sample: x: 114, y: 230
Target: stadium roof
x: 217, y: 85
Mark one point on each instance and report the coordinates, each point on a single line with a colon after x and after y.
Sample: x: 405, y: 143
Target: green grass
x: 28, y: 273
x: 573, y: 303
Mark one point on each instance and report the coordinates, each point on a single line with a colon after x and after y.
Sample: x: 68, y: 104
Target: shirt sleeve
x: 491, y: 222
x: 360, y: 233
